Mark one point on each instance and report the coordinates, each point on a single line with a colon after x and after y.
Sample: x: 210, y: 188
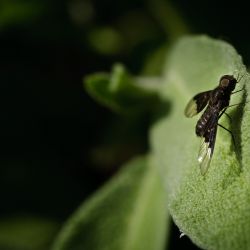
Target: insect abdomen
x: 202, y: 123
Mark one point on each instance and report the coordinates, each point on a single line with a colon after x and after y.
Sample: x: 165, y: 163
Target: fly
x: 216, y: 102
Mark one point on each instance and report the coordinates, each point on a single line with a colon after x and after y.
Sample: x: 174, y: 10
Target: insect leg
x: 223, y: 112
x: 228, y: 116
x: 229, y: 131
x: 239, y: 78
x: 237, y: 104
x: 237, y: 91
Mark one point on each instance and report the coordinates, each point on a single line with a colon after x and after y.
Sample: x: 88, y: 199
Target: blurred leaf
x: 81, y: 11
x: 128, y: 213
x: 169, y: 17
x: 16, y: 11
x: 154, y: 61
x: 122, y: 92
x: 106, y: 40
x: 213, y: 210
x: 26, y: 233
x: 137, y: 27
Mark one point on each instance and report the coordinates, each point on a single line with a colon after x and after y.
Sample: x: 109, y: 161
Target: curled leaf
x: 122, y: 92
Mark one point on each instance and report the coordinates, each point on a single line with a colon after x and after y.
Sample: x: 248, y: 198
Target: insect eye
x: 224, y: 82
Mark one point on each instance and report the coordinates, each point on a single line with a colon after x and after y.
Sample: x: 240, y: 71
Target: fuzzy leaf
x: 213, y: 210
x: 129, y: 213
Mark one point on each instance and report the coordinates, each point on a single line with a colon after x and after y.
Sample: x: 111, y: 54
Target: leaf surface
x: 213, y: 210
x: 129, y: 213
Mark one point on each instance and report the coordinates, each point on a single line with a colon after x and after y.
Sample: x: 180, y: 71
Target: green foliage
x: 111, y: 40
x: 121, y: 92
x: 129, y: 213
x: 45, y: 46
x: 26, y: 233
x: 16, y: 12
x: 213, y: 210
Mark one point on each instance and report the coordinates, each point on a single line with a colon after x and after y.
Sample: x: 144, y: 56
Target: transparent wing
x: 197, y: 103
x: 207, y: 148
x: 205, y: 155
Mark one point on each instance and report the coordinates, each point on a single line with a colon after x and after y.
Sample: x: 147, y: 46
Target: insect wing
x: 207, y: 147
x: 204, y: 157
x: 197, y: 103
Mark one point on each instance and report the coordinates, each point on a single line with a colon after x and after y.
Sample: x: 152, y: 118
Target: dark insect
x: 216, y: 102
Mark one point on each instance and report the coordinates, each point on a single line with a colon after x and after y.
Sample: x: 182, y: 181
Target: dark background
x: 56, y: 142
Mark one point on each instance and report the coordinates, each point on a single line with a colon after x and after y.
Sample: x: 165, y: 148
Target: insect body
x: 216, y: 102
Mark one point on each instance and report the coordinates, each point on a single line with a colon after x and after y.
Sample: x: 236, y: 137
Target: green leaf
x: 122, y: 92
x: 18, y: 12
x: 129, y: 213
x: 213, y: 210
x: 112, y: 40
x: 26, y: 233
